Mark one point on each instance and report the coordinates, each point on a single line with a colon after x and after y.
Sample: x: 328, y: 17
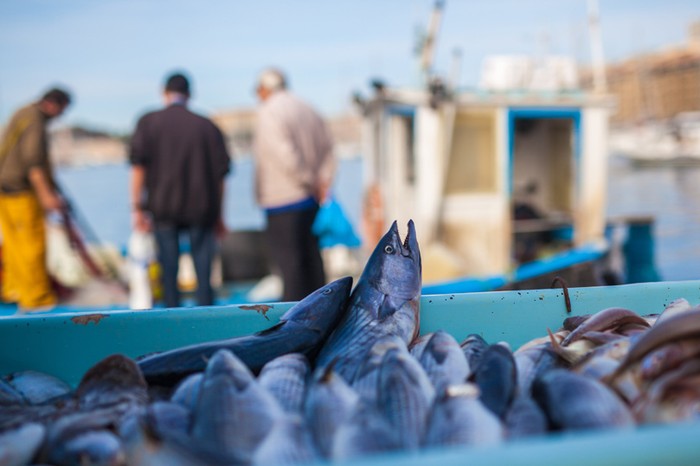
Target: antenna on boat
x: 427, y: 45
x: 599, y: 80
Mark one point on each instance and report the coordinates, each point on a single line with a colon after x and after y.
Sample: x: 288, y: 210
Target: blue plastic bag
x: 332, y: 226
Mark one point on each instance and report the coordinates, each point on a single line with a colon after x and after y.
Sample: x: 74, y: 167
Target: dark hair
x: 177, y: 82
x: 57, y: 96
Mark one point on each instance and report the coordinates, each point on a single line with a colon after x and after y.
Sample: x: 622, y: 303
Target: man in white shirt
x: 294, y: 170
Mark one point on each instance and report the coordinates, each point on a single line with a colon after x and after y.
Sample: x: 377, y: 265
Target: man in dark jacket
x: 179, y: 164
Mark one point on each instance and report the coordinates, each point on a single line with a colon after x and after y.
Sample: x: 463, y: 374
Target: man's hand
x: 49, y: 198
x: 220, y: 229
x: 140, y: 221
x: 52, y: 202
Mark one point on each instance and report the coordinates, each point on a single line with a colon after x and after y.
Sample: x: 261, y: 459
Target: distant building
x: 80, y: 146
x: 655, y: 86
x: 238, y: 126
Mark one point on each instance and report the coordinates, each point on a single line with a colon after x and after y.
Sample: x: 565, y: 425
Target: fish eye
x: 327, y: 291
x: 389, y: 249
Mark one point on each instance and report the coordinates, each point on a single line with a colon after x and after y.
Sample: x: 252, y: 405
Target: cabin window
x: 543, y: 163
x: 473, y: 155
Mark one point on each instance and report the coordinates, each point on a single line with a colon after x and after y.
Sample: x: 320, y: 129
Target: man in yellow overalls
x: 27, y: 192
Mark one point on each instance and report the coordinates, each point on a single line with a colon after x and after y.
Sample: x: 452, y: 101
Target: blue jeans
x: 203, y: 248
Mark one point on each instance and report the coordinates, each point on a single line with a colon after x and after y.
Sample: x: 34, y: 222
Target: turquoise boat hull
x: 67, y: 344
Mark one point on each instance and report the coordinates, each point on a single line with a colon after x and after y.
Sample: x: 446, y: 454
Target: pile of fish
x: 346, y: 373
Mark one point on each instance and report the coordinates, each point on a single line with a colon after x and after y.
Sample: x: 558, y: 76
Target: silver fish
x: 94, y: 447
x: 574, y: 402
x: 384, y: 302
x: 115, y: 379
x: 329, y: 404
x: 86, y: 437
x: 533, y: 360
x: 417, y: 346
x: 366, y: 379
x: 405, y: 397
x: 444, y: 361
x: 234, y: 413
x: 9, y: 396
x: 187, y: 391
x: 458, y: 417
x: 37, y: 387
x: 288, y: 442
x: 366, y: 432
x: 525, y: 418
x: 168, y: 417
x: 19, y: 446
x: 144, y: 446
x: 496, y: 377
x: 473, y: 347
x: 302, y: 329
x: 285, y: 377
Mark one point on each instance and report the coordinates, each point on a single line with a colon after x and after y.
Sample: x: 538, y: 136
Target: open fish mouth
x: 409, y: 244
x: 406, y: 245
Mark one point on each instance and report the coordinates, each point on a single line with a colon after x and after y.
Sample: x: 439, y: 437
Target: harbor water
x: 668, y: 194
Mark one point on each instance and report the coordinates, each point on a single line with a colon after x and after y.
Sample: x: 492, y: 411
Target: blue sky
x: 114, y: 54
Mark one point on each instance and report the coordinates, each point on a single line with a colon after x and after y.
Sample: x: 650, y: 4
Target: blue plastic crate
x: 66, y: 345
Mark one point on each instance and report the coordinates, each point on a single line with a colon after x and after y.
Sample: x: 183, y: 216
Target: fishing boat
x: 672, y: 142
x: 506, y: 181
x: 66, y: 345
x: 507, y: 186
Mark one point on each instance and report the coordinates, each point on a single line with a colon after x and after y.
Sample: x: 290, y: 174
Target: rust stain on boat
x: 259, y: 308
x: 87, y: 318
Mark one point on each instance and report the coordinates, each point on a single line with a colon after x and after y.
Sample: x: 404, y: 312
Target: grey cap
x: 272, y: 79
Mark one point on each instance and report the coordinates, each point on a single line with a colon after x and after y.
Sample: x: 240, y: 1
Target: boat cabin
x: 494, y: 180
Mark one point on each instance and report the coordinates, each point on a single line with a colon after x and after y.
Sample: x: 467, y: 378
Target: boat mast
x: 428, y: 45
x: 599, y: 80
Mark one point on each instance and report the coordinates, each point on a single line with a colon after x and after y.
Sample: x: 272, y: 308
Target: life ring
x: 373, y: 214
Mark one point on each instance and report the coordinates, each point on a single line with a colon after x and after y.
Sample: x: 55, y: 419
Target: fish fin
x: 272, y: 329
x: 328, y: 371
x: 562, y: 352
x: 553, y: 341
x: 387, y: 308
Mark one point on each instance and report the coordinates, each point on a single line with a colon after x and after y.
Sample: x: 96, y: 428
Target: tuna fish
x: 458, y: 417
x: 574, y: 402
x: 384, y: 302
x: 285, y: 378
x: 302, y: 329
x: 234, y: 413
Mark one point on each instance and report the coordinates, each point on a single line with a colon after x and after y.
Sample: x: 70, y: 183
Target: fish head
x: 394, y: 268
x: 225, y: 364
x: 322, y: 309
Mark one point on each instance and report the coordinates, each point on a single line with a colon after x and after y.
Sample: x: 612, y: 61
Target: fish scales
x: 444, y: 361
x: 234, y: 413
x: 285, y: 378
x: 329, y: 404
x: 458, y: 417
x: 405, y: 396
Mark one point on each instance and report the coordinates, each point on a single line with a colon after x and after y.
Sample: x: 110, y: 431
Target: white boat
x: 672, y: 142
x: 506, y: 185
